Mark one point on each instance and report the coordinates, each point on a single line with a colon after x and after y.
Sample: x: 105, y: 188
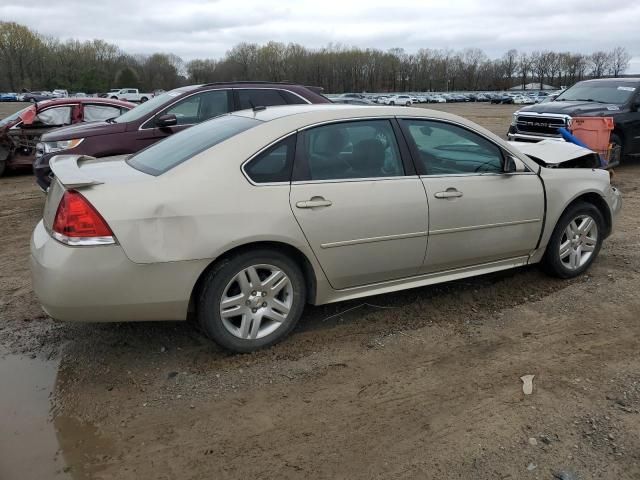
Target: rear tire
x: 575, y: 241
x: 243, y: 313
x: 143, y: 99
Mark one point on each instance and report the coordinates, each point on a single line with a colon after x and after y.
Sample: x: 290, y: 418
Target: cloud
x: 206, y: 28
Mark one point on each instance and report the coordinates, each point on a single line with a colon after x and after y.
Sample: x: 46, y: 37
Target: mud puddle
x: 28, y: 441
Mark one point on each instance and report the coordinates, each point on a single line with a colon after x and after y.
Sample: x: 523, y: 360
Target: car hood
x: 573, y: 109
x: 83, y: 130
x: 558, y: 153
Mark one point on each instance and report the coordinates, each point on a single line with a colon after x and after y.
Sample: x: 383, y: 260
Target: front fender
x: 564, y: 186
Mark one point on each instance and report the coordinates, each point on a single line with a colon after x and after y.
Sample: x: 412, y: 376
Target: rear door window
x: 97, y: 113
x: 200, y: 107
x: 350, y: 150
x: 260, y: 97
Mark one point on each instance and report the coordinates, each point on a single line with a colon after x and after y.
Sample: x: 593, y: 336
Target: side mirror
x: 512, y: 165
x: 166, y: 121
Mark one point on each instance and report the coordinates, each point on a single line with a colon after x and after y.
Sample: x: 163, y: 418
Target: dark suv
x: 608, y: 97
x: 162, y: 116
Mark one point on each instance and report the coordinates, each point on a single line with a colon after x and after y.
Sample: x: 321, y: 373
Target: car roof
x: 308, y: 114
x: 94, y: 100
x: 615, y: 79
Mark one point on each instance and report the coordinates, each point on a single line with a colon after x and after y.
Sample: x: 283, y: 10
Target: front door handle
x: 448, y: 193
x: 314, y: 202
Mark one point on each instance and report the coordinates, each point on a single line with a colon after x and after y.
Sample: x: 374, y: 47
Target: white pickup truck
x: 130, y: 95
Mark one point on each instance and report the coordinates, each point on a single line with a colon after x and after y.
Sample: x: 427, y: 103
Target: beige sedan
x: 242, y: 220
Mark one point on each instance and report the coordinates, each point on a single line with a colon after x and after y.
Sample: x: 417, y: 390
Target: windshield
x: 13, y: 117
x: 603, y: 92
x: 179, y: 147
x: 147, y: 107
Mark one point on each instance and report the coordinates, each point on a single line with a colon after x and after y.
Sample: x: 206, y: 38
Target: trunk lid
x: 81, y: 172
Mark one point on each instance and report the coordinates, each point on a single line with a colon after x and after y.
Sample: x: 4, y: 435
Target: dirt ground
x: 419, y: 384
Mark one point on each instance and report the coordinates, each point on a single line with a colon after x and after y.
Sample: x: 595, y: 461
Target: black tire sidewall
x: 551, y: 261
x: 616, y: 140
x: 217, y: 280
x: 3, y: 167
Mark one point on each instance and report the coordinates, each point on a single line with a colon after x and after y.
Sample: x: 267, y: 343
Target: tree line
x: 32, y: 61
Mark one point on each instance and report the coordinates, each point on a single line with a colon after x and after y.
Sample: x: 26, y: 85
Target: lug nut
x: 264, y: 294
x: 254, y: 310
x: 264, y: 304
x: 254, y: 293
x: 247, y: 303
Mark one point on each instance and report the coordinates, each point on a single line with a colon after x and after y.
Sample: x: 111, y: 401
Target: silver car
x: 242, y: 220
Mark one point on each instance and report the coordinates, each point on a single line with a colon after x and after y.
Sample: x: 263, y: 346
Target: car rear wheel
x: 143, y: 99
x: 252, y: 301
x: 575, y: 242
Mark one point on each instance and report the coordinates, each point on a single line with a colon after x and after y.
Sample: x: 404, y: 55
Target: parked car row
x: 518, y: 97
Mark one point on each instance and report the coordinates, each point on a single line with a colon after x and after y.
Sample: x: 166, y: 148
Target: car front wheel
x: 252, y: 301
x: 575, y: 241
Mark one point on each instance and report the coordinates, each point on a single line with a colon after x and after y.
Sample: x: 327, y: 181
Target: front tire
x: 616, y: 141
x: 252, y: 301
x: 575, y: 242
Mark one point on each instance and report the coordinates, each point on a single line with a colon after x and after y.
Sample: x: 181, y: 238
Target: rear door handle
x: 448, y: 193
x: 314, y: 202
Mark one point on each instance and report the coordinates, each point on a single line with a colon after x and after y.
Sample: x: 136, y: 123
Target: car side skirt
x: 327, y: 295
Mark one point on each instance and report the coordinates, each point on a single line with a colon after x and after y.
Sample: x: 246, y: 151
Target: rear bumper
x: 100, y: 284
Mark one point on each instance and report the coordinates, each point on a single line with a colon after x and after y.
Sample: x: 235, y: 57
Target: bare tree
x: 510, y: 64
x: 524, y: 67
x: 600, y: 62
x: 619, y: 60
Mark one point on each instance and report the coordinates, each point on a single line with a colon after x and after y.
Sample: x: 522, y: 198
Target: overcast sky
x: 208, y: 28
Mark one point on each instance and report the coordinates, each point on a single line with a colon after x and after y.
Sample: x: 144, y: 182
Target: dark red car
x: 162, y: 116
x: 21, y: 132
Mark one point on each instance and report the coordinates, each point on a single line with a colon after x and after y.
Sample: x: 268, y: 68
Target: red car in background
x: 20, y: 132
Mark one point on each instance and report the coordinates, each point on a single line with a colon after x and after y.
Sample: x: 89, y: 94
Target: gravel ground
x: 418, y: 384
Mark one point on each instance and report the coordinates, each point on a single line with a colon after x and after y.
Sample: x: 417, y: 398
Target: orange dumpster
x: 593, y: 131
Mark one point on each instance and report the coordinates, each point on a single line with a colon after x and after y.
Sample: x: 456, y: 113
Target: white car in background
x: 523, y: 100
x: 399, y: 100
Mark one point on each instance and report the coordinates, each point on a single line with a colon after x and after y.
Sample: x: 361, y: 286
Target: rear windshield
x: 164, y: 155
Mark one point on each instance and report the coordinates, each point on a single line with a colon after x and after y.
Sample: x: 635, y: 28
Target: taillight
x: 77, y: 222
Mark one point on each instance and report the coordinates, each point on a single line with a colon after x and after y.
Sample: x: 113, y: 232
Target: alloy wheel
x: 256, y: 302
x: 578, y: 242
